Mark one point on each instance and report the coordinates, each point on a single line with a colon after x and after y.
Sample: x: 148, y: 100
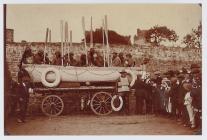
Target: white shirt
x: 187, y: 99
x: 123, y: 84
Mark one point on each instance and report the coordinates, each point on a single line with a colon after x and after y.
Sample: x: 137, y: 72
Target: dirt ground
x: 97, y: 125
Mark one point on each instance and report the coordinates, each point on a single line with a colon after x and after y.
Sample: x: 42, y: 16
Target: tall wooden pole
x: 50, y: 38
x: 107, y: 42
x: 91, y: 34
x: 84, y: 33
x: 66, y: 37
x: 71, y: 44
x: 46, y: 39
x: 67, y: 41
x: 103, y: 35
x: 61, y: 32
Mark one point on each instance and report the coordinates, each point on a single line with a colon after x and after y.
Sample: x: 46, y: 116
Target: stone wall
x: 163, y: 58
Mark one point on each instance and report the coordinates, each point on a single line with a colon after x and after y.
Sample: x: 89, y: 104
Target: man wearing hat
x: 159, y: 93
x: 188, y: 103
x: 116, y: 61
x: 23, y: 90
x: 183, y: 93
x: 158, y: 79
x: 180, y: 97
x: 27, y: 57
x: 121, y: 56
x: 57, y: 60
x: 174, y: 96
x: 129, y: 62
x: 39, y: 57
x: 123, y: 90
x: 196, y: 94
x: 140, y: 93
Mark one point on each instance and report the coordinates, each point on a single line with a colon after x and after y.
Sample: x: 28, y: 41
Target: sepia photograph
x: 102, y: 69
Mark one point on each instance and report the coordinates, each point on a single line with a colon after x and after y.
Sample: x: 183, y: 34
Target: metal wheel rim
x: 100, y: 105
x: 52, y: 105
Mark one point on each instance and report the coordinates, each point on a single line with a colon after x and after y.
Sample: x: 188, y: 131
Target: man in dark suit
x: 141, y: 93
x: 22, y: 98
x: 197, y: 95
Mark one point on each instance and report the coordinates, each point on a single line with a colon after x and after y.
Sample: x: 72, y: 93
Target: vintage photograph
x: 103, y: 69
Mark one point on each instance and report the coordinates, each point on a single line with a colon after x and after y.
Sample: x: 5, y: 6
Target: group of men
x: 93, y: 58
x: 119, y: 60
x: 176, y: 94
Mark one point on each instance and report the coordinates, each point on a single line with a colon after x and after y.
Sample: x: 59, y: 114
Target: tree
x: 114, y: 38
x: 158, y: 34
x: 193, y: 39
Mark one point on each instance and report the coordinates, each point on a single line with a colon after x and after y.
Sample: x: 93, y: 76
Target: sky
x: 30, y: 21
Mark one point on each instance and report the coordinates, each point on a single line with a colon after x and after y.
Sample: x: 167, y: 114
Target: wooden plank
x: 76, y: 88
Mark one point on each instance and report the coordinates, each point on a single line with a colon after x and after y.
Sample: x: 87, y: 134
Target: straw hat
x: 123, y: 71
x: 157, y: 72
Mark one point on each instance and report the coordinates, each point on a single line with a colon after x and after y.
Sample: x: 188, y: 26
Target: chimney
x: 9, y: 35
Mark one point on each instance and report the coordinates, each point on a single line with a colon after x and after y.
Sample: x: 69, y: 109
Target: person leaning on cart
x: 123, y: 90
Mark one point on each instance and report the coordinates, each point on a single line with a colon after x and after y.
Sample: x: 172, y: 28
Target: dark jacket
x: 181, y: 94
x: 23, y: 90
x: 158, y: 80
x: 140, y: 88
x: 174, y: 92
x: 196, y: 93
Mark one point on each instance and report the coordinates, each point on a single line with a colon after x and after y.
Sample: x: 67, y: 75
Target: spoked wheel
x: 52, y: 105
x: 101, y: 103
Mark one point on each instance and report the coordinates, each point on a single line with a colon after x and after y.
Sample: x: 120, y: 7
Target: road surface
x: 96, y: 125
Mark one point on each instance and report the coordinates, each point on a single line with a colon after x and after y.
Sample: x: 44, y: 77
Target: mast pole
x: 70, y: 43
x: 84, y: 33
x: 66, y: 39
x: 107, y: 41
x: 61, y: 31
x: 50, y: 38
x: 46, y: 39
x: 103, y: 35
x: 91, y: 34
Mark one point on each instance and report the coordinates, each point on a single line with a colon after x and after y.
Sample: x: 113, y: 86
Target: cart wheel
x: 52, y: 105
x: 101, y: 103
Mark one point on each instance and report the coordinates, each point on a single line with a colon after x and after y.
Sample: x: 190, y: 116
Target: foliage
x: 193, y: 39
x: 158, y: 34
x: 114, y: 38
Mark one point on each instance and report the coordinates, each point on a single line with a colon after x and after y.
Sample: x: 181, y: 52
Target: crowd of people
x: 93, y: 57
x: 176, y: 94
